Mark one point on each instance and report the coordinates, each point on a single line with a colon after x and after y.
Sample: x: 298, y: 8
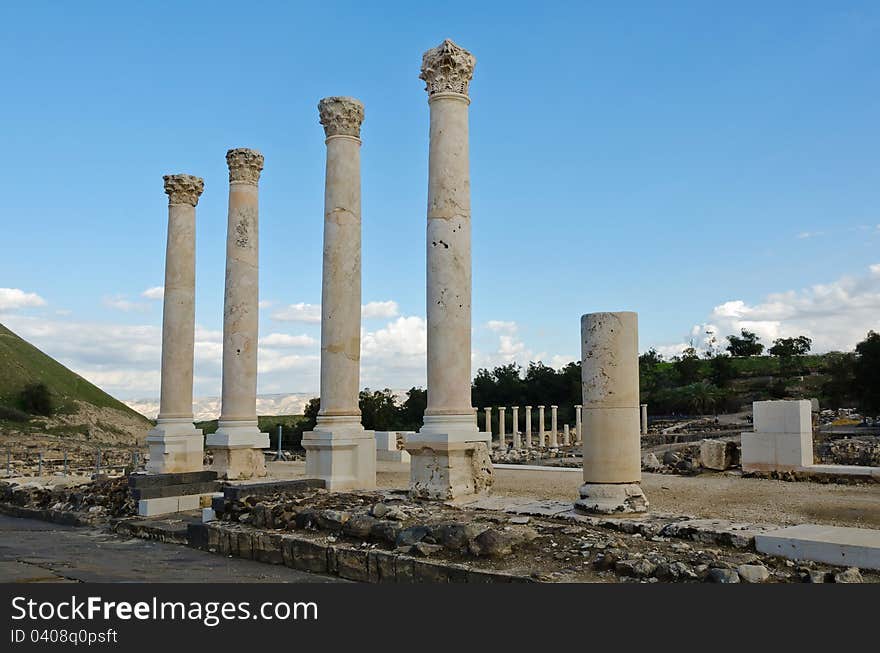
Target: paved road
x: 33, y: 551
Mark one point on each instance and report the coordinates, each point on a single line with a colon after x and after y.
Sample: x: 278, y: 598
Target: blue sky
x: 701, y: 165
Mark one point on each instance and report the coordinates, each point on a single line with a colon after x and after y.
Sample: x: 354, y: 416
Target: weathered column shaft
x: 517, y: 441
x: 579, y: 437
x: 449, y: 455
x: 178, y: 312
x: 237, y: 441
x: 554, y: 427
x: 241, y: 300
x: 611, y: 444
x: 449, y: 253
x: 644, y: 419
x: 566, y: 436
x: 488, y: 410
x: 175, y: 444
x: 341, y: 288
x: 339, y: 451
x: 501, y: 426
x: 541, y: 431
x: 528, y: 427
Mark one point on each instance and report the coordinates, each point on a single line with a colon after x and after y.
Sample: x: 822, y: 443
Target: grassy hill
x: 21, y: 364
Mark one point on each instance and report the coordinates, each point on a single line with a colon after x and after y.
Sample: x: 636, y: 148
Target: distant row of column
x: 550, y: 439
x: 524, y: 439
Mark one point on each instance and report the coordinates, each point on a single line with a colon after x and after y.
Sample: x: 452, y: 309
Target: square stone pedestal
x: 449, y: 458
x: 238, y: 450
x: 175, y: 446
x: 343, y: 457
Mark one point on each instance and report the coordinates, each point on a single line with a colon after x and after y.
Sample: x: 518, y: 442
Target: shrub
x: 36, y: 399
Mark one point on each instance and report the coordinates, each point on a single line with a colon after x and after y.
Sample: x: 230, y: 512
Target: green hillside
x: 21, y: 364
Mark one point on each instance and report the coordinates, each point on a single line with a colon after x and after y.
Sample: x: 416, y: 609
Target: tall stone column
x: 579, y: 437
x: 566, y: 436
x: 541, y: 432
x: 528, y: 427
x: 449, y: 455
x: 488, y: 410
x: 517, y: 442
x: 339, y: 450
x: 502, y: 428
x: 237, y: 444
x: 644, y: 419
x: 554, y: 427
x: 610, y: 375
x: 175, y: 444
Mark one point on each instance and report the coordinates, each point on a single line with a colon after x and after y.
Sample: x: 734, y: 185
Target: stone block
x: 835, y: 545
x: 161, y: 506
x: 381, y: 567
x: 344, y: 459
x: 352, y: 564
x: 188, y: 502
x: 717, y: 454
x: 197, y: 536
x: 782, y: 416
x: 161, y: 480
x: 234, y: 492
x: 309, y: 556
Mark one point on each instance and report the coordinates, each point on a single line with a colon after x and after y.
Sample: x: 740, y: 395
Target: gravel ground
x: 720, y: 495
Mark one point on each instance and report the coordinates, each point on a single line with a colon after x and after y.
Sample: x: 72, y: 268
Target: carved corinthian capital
x: 448, y: 68
x: 341, y: 116
x: 244, y: 165
x: 183, y: 189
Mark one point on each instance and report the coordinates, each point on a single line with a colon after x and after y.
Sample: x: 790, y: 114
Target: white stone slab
x: 538, y: 468
x: 846, y: 470
x: 836, y: 545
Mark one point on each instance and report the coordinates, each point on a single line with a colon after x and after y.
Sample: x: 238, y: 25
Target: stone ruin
x: 449, y: 456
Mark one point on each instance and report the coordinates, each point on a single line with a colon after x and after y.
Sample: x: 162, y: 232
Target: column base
x: 449, y: 469
x: 342, y: 453
x: 237, y: 448
x: 175, y: 446
x: 611, y: 498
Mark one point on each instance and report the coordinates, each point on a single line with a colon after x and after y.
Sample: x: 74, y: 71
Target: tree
x: 866, y: 371
x: 839, y: 389
x: 378, y: 410
x: 789, y: 347
x: 721, y: 370
x: 789, y: 352
x: 413, y: 409
x: 688, y: 366
x: 37, y: 399
x: 745, y: 345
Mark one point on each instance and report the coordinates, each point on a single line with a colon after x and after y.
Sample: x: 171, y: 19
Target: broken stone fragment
x: 753, y: 573
x: 359, y: 526
x: 718, y: 575
x: 849, y: 575
x: 411, y: 535
x: 456, y: 536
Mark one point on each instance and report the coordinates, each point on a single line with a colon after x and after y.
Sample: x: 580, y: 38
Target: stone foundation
x: 239, y: 463
x: 343, y: 459
x: 449, y: 470
x: 175, y: 446
x: 611, y: 498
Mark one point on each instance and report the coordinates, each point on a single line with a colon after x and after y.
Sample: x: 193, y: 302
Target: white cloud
x: 311, y: 313
x: 156, y: 292
x: 499, y: 326
x: 122, y: 303
x: 387, y: 309
x: 285, y: 340
x: 395, y: 355
x: 308, y: 313
x: 265, y: 303
x: 836, y: 315
x: 14, y: 298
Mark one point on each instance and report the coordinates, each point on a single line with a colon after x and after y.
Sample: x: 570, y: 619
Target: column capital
x: 448, y: 68
x: 183, y: 189
x: 341, y: 116
x: 245, y: 165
